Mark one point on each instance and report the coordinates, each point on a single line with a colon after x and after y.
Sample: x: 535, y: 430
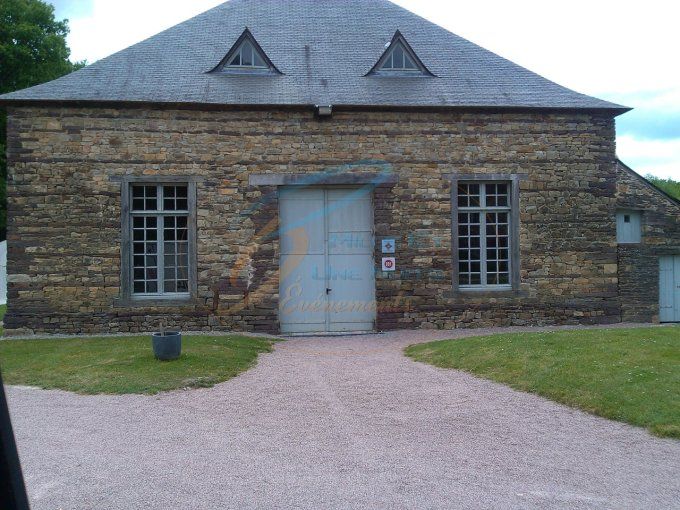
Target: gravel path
x: 336, y: 422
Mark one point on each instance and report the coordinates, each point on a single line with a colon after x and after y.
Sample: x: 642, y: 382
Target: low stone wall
x: 64, y: 206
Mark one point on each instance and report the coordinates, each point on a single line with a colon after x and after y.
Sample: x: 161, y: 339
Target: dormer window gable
x: 399, y: 59
x: 246, y: 56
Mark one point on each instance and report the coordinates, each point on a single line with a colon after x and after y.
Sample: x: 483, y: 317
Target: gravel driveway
x: 336, y: 422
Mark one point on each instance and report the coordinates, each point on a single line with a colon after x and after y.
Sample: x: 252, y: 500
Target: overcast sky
x: 625, y: 52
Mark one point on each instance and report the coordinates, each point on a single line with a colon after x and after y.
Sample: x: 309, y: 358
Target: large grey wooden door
x: 669, y: 289
x: 327, y: 276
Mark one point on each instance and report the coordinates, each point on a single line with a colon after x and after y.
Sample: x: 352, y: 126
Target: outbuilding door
x: 669, y: 289
x: 327, y: 276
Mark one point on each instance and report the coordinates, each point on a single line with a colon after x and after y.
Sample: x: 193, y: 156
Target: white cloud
x: 657, y: 157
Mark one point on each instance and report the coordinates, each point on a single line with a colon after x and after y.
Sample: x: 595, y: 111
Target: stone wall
x: 64, y: 206
x: 639, y: 263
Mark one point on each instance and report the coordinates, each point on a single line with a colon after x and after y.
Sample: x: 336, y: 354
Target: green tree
x: 668, y: 185
x: 33, y: 50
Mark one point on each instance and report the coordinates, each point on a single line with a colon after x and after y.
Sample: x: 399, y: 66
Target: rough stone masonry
x: 64, y: 232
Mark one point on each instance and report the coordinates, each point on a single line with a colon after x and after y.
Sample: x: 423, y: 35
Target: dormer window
x: 399, y: 59
x: 246, y: 56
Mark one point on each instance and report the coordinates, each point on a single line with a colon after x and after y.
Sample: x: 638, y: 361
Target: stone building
x: 649, y: 248
x: 319, y: 166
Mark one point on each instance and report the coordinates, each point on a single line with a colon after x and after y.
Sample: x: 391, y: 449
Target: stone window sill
x: 128, y: 302
x: 485, y: 293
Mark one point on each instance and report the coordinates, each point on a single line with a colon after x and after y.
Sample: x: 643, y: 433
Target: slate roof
x: 324, y: 49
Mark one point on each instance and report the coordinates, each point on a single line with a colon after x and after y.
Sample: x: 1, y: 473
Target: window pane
x: 247, y: 54
x: 144, y: 198
x: 468, y: 195
x: 497, y: 195
x: 398, y: 57
x: 497, y: 258
x: 409, y: 63
x: 236, y: 61
x: 174, y: 198
x: 388, y: 62
x: 258, y: 60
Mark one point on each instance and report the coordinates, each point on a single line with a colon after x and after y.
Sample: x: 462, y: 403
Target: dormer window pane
x: 398, y: 57
x: 247, y: 54
x: 409, y: 63
x: 236, y: 61
x: 258, y: 61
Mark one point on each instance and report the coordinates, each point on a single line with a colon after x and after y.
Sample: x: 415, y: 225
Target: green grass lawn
x: 630, y: 375
x: 3, y: 309
x: 126, y: 364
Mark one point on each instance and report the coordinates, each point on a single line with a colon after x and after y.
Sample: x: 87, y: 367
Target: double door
x: 327, y: 274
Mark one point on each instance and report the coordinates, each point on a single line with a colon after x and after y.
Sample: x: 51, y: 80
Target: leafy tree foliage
x: 32, y: 51
x: 668, y: 185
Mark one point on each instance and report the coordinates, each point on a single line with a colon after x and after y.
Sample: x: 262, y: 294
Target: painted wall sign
x: 389, y: 246
x: 389, y: 264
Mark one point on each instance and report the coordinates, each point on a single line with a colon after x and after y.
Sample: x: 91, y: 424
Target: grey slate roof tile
x: 324, y: 48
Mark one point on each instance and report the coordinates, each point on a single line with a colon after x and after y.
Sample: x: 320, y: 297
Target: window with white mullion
x: 484, y: 234
x: 247, y: 56
x: 399, y: 59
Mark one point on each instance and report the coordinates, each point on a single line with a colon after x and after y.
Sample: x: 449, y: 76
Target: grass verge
x: 3, y: 310
x: 118, y: 365
x: 630, y: 375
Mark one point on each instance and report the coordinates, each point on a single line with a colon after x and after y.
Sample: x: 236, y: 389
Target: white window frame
x: 399, y: 42
x: 405, y: 54
x: 254, y: 52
